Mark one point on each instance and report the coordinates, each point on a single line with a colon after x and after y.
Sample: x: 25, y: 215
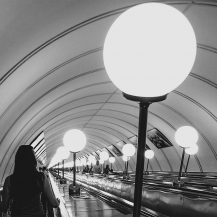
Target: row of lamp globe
x: 186, y: 137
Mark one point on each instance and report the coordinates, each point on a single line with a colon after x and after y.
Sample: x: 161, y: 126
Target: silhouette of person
x: 23, y: 189
x: 106, y: 170
x: 97, y: 168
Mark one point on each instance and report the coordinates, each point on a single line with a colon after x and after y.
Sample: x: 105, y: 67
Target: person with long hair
x: 24, y: 188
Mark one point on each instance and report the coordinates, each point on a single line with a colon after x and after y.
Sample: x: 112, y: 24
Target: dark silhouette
x: 86, y: 169
x: 106, y: 170
x: 23, y: 189
x: 97, y: 168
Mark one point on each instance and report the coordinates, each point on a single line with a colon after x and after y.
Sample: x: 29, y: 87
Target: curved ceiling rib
x: 68, y: 86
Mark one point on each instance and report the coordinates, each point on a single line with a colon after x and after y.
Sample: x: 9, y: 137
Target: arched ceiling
x: 52, y: 78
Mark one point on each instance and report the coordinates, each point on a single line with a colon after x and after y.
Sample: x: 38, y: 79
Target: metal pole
x: 143, y: 115
x: 63, y: 170
x: 180, y: 169
x: 126, y: 168
x: 74, y: 169
x: 147, y: 166
x: 187, y: 163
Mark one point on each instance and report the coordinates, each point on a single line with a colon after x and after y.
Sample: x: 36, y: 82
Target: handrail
x: 161, y: 201
x: 62, y: 208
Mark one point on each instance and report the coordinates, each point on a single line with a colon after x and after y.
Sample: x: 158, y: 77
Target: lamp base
x: 146, y: 100
x: 74, y: 190
x: 178, y: 184
x: 63, y: 181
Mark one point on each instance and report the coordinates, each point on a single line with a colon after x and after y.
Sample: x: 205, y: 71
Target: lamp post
x: 149, y: 154
x: 190, y: 151
x: 74, y: 140
x: 125, y: 159
x: 185, y: 136
x: 111, y: 160
x: 149, y: 51
x: 84, y: 162
x: 101, y: 161
x: 104, y: 156
x: 62, y: 154
x: 128, y: 150
x: 92, y: 161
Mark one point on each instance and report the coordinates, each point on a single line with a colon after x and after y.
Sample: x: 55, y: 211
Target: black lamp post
x: 186, y: 137
x: 74, y: 140
x: 149, y: 154
x: 146, y: 63
x: 190, y: 151
x: 58, y: 169
x: 62, y: 154
x: 143, y: 113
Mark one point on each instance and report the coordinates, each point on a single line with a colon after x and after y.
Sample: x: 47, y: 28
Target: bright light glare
x: 78, y: 163
x: 112, y: 160
x: 83, y: 161
x: 92, y: 159
x: 149, y: 50
x: 128, y: 150
x: 74, y: 140
x: 192, y: 150
x: 69, y: 164
x: 125, y: 158
x: 104, y: 155
x: 62, y: 153
x: 149, y: 154
x: 101, y: 161
x: 186, y: 136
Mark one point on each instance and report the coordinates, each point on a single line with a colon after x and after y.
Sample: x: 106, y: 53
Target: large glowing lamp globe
x: 149, y: 154
x: 104, y: 155
x: 62, y: 153
x: 111, y: 160
x: 192, y: 150
x: 186, y: 136
x: 149, y: 50
x: 128, y: 150
x: 74, y: 140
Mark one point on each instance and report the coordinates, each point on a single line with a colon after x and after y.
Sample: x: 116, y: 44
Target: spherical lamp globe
x: 74, y: 140
x: 78, y: 163
x: 149, y: 50
x: 84, y: 161
x: 62, y: 153
x: 111, y: 160
x: 125, y: 158
x: 128, y: 150
x: 149, y: 154
x: 192, y: 150
x: 101, y: 161
x: 92, y: 159
x: 186, y: 136
x: 104, y: 155
x: 93, y: 162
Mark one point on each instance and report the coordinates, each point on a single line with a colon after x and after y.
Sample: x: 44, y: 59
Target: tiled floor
x: 87, y: 205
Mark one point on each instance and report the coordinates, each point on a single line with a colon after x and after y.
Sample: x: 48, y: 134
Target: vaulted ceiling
x: 52, y: 79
